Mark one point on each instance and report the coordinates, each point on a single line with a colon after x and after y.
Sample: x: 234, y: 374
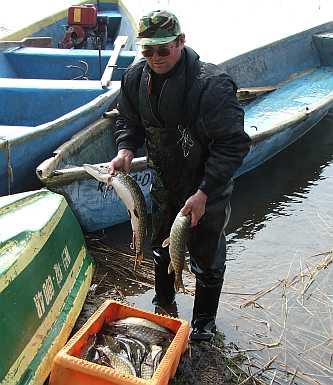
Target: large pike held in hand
x: 177, y: 247
x: 132, y: 196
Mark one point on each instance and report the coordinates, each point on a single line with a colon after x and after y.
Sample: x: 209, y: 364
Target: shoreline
x: 202, y: 363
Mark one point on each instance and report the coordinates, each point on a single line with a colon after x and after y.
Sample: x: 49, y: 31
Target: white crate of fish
x: 122, y: 345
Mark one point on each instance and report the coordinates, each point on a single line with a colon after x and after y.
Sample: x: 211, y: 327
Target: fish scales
x: 88, y: 349
x: 141, y: 322
x: 177, y: 247
x: 136, y: 353
x: 142, y: 333
x: 117, y: 361
x: 132, y: 196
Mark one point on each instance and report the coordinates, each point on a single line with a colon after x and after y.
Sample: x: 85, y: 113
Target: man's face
x: 162, y: 58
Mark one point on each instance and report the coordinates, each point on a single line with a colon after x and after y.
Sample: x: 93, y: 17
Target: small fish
x: 177, y: 247
x: 156, y: 355
x: 126, y: 347
x: 132, y: 196
x: 149, y: 366
x: 142, y: 347
x: 144, y: 334
x: 96, y: 357
x: 112, y: 343
x: 147, y: 370
x: 116, y: 361
x: 141, y: 322
x: 87, y: 351
x: 137, y: 351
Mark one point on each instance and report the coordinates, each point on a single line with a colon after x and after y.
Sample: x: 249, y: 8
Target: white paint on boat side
x: 44, y: 368
x: 39, y: 235
x: 44, y: 294
x: 27, y: 355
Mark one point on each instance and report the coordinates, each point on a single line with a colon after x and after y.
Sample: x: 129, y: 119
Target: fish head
x: 100, y: 173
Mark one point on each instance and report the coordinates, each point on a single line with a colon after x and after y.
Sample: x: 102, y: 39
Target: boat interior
x: 285, y: 84
x: 297, y: 73
x: 36, y: 74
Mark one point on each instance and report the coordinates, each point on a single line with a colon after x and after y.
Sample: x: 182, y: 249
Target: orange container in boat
x: 68, y: 369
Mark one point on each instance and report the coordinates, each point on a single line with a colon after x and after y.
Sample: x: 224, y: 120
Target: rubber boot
x: 205, y: 307
x: 164, y: 282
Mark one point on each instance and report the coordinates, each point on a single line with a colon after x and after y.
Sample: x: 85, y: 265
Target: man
x: 187, y: 114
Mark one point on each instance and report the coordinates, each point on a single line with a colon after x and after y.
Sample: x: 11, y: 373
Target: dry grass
x: 288, y: 337
x: 289, y: 325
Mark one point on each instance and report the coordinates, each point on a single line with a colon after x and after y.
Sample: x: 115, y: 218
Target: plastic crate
x: 68, y: 369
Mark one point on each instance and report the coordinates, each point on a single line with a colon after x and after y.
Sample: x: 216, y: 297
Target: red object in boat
x: 84, y: 15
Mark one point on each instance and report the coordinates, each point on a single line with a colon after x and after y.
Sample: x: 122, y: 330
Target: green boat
x: 45, y: 274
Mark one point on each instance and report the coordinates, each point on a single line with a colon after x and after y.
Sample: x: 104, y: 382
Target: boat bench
x: 36, y: 101
x: 51, y: 63
x: 294, y: 97
x: 324, y: 45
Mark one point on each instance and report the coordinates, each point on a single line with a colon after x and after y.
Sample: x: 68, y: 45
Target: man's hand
x: 122, y: 162
x: 196, y: 206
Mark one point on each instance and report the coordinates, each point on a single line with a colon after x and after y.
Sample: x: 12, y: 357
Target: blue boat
x: 56, y: 77
x: 286, y: 88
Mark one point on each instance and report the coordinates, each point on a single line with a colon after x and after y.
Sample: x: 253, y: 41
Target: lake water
x: 282, y: 218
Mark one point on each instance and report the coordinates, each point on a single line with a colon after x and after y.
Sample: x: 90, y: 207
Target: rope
x: 10, y: 173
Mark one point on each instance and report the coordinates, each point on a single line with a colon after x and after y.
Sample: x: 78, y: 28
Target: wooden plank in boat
x: 253, y: 92
x: 38, y: 42
x: 107, y: 75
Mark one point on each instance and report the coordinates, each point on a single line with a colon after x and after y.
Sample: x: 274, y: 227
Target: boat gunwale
x: 297, y: 118
x: 278, y: 42
x: 49, y: 175
x: 64, y: 119
x: 42, y: 23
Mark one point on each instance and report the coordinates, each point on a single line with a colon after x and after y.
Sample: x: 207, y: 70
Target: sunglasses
x: 160, y: 51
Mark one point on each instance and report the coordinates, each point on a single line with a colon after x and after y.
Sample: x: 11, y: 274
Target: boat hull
x: 97, y: 207
x: 45, y: 275
x: 48, y: 94
x: 301, y: 95
x: 267, y: 147
x: 20, y: 155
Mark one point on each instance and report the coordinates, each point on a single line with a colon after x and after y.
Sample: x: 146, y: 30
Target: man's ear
x: 182, y: 38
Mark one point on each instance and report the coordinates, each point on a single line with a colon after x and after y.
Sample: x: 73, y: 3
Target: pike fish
x: 141, y: 322
x: 139, y: 328
x: 132, y: 196
x: 116, y: 361
x: 151, y: 363
x: 131, y: 346
x: 88, y: 349
x: 177, y: 247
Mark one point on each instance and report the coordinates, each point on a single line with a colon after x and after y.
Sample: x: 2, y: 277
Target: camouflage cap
x: 158, y: 27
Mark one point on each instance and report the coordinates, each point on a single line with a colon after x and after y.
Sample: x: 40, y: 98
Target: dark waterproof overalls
x: 177, y: 156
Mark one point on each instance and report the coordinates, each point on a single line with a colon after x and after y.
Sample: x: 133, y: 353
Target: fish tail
x: 170, y: 268
x: 179, y: 284
x: 138, y: 259
x: 166, y: 242
x: 132, y: 245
